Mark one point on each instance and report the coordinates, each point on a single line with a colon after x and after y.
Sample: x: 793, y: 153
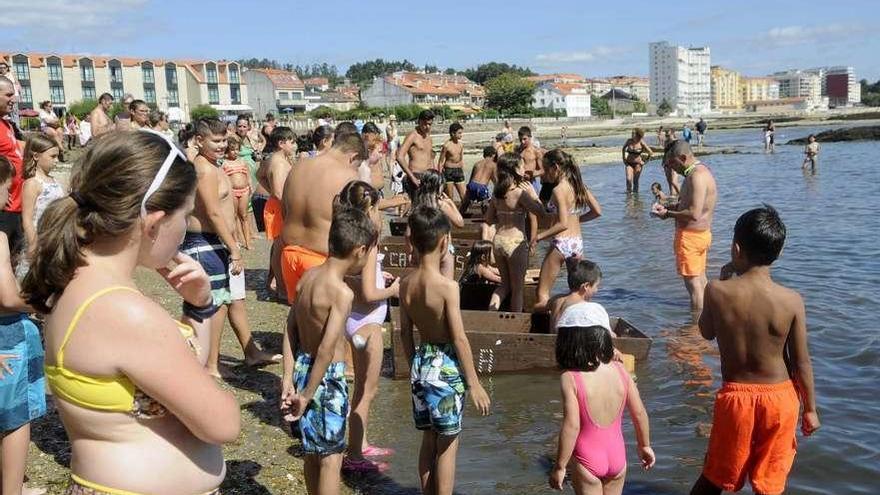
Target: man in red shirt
x: 10, y: 148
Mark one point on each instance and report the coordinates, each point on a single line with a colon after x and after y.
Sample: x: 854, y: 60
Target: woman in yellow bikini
x: 142, y: 414
x: 513, y: 197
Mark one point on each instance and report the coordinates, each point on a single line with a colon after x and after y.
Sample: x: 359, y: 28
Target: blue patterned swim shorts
x: 437, y: 389
x: 323, y: 424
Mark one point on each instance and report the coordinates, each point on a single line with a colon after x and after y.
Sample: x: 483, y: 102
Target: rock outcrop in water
x: 866, y: 133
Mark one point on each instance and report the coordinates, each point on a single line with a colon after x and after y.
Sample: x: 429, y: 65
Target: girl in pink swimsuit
x: 595, y: 391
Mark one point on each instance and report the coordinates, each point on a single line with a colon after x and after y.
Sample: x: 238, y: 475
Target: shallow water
x: 830, y: 258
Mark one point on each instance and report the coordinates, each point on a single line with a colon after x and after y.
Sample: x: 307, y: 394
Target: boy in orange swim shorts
x: 765, y: 365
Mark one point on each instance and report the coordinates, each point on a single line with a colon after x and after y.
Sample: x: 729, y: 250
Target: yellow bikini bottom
x: 79, y: 486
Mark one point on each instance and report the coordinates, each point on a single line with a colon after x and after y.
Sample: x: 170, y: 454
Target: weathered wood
x: 397, y: 260
x: 472, y: 228
x: 505, y: 342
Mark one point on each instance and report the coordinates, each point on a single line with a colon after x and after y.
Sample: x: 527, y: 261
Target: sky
x: 590, y: 38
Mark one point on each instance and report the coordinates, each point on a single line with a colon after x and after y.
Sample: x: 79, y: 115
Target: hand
x: 557, y: 477
x: 659, y: 210
x: 4, y: 365
x: 395, y: 286
x: 646, y: 454
x: 481, y: 399
x: 617, y: 355
x: 189, y: 279
x: 236, y: 265
x: 286, y: 399
x: 533, y: 246
x: 810, y: 423
x: 297, y: 405
x: 415, y: 181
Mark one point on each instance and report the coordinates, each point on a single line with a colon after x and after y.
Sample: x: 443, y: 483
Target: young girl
x: 513, y: 197
x: 811, y: 151
x: 595, y: 390
x: 571, y: 203
x: 479, y: 269
x: 39, y: 189
x: 239, y: 177
x: 22, y: 386
x: 364, y: 329
x: 430, y: 193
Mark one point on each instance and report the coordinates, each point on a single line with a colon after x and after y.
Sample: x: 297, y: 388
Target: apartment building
x: 573, y: 98
x: 758, y: 89
x: 403, y: 88
x: 174, y: 86
x: 681, y: 77
x: 800, y: 83
x: 726, y: 90
x: 840, y: 85
x: 275, y: 91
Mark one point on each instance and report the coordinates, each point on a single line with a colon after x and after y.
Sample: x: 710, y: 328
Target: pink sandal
x: 363, y: 466
x: 373, y: 451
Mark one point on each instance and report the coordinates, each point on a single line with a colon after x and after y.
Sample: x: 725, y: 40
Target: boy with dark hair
x: 313, y: 384
x: 416, y: 155
x: 532, y: 157
x: 430, y: 301
x: 765, y: 365
x: 482, y: 173
x: 451, y: 162
x: 584, y: 278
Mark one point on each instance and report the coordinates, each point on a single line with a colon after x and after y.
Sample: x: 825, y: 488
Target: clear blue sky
x: 591, y: 38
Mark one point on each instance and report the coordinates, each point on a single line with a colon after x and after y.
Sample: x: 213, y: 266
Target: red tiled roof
x: 435, y: 84
x: 564, y: 78
x: 282, y: 79
x: 317, y: 81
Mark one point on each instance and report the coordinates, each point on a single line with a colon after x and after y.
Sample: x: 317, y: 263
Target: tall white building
x: 681, y: 76
x: 800, y: 84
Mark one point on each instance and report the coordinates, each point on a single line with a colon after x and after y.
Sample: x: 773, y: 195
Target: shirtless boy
x: 451, y: 162
x: 308, y: 206
x: 765, y: 365
x: 416, y: 155
x: 693, y: 219
x: 313, y: 387
x: 430, y: 301
x: 271, y: 175
x: 532, y: 157
x: 482, y: 173
x: 209, y: 241
x: 98, y: 117
x: 584, y: 278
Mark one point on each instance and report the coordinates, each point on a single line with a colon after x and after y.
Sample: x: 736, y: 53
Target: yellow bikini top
x: 103, y: 393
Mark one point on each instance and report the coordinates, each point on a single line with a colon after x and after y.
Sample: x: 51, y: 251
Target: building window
x: 234, y: 94
x: 170, y: 75
x: 54, y: 66
x: 173, y: 99
x: 213, y: 95
x: 149, y: 77
x: 26, y: 96
x: 86, y: 70
x: 233, y: 74
x: 116, y: 75
x: 20, y: 66
x: 283, y: 95
x: 89, y: 93
x: 56, y: 94
x: 149, y: 95
x: 211, y: 71
x: 117, y: 93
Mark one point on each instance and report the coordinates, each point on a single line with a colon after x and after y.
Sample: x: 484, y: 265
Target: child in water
x: 584, y: 278
x: 657, y: 191
x: 811, y: 151
x: 595, y: 390
x: 479, y: 269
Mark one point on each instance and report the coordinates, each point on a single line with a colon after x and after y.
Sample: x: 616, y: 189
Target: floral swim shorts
x: 437, y: 389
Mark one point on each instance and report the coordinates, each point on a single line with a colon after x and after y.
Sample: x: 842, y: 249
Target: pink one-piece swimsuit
x: 600, y: 449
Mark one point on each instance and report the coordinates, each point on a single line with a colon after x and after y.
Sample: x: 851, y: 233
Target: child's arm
x: 707, y: 322
x: 406, y: 334
x: 640, y: 423
x: 595, y: 209
x: 448, y: 208
x: 803, y: 369
x: 29, y: 193
x: 463, y: 347
x: 369, y: 290
x: 288, y: 348
x: 208, y: 193
x: 441, y: 163
x: 392, y: 202
x: 561, y: 223
x: 489, y: 273
x: 571, y: 426
x: 10, y: 298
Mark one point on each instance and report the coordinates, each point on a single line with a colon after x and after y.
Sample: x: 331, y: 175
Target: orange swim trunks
x: 295, y: 260
x: 272, y: 218
x: 691, y: 250
x: 753, y: 434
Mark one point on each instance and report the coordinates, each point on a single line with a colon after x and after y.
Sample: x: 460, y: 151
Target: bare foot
x: 261, y: 358
x: 26, y: 490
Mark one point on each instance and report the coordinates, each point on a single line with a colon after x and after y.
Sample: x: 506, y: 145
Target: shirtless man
x: 482, y: 173
x: 451, y: 161
x: 308, y: 206
x: 98, y: 117
x: 209, y: 241
x: 693, y: 219
x: 417, y: 153
x: 272, y: 175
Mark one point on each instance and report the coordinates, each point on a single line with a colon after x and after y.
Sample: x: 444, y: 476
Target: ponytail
x: 570, y: 171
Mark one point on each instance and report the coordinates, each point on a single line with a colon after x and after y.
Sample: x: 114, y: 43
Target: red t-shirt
x: 10, y: 149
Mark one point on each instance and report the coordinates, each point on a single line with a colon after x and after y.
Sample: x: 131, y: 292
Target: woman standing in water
x: 633, y: 161
x: 128, y: 379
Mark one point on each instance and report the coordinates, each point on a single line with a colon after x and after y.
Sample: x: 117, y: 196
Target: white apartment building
x: 681, y: 76
x: 174, y: 86
x: 799, y: 84
x: 574, y: 98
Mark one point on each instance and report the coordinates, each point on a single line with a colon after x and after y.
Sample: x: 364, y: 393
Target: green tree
x: 509, y: 93
x: 322, y: 112
x: 82, y: 108
x: 599, y: 107
x: 203, y: 111
x: 664, y: 108
x: 639, y: 107
x: 870, y: 93
x: 364, y: 72
x: 483, y: 72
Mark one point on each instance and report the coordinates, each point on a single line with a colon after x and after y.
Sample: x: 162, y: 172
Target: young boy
x: 430, y: 301
x: 482, y: 173
x: 765, y: 365
x: 313, y: 387
x: 811, y: 151
x: 451, y: 161
x: 584, y: 278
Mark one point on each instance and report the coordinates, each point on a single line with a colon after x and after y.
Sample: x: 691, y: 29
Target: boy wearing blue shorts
x: 313, y: 387
x: 441, y: 366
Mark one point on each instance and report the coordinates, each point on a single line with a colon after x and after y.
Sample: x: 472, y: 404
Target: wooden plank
x: 472, y: 228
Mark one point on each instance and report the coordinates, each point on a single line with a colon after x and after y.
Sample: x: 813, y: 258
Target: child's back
x: 320, y: 294
x: 601, y: 395
x: 424, y: 293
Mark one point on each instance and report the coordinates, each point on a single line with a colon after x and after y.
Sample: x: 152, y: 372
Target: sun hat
x: 584, y: 314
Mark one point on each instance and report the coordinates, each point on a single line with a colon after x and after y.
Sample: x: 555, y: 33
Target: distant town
x: 682, y: 81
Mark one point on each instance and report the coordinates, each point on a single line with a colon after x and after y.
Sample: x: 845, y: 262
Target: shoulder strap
x: 579, y: 384
x: 59, y: 359
x: 624, y: 379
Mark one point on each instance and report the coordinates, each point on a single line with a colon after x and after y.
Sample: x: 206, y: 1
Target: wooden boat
x: 515, y: 342
x: 472, y: 228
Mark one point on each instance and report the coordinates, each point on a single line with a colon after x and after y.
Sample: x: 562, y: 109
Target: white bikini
x: 380, y: 308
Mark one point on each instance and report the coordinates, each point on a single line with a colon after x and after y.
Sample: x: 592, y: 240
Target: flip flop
x: 373, y: 451
x: 363, y: 466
